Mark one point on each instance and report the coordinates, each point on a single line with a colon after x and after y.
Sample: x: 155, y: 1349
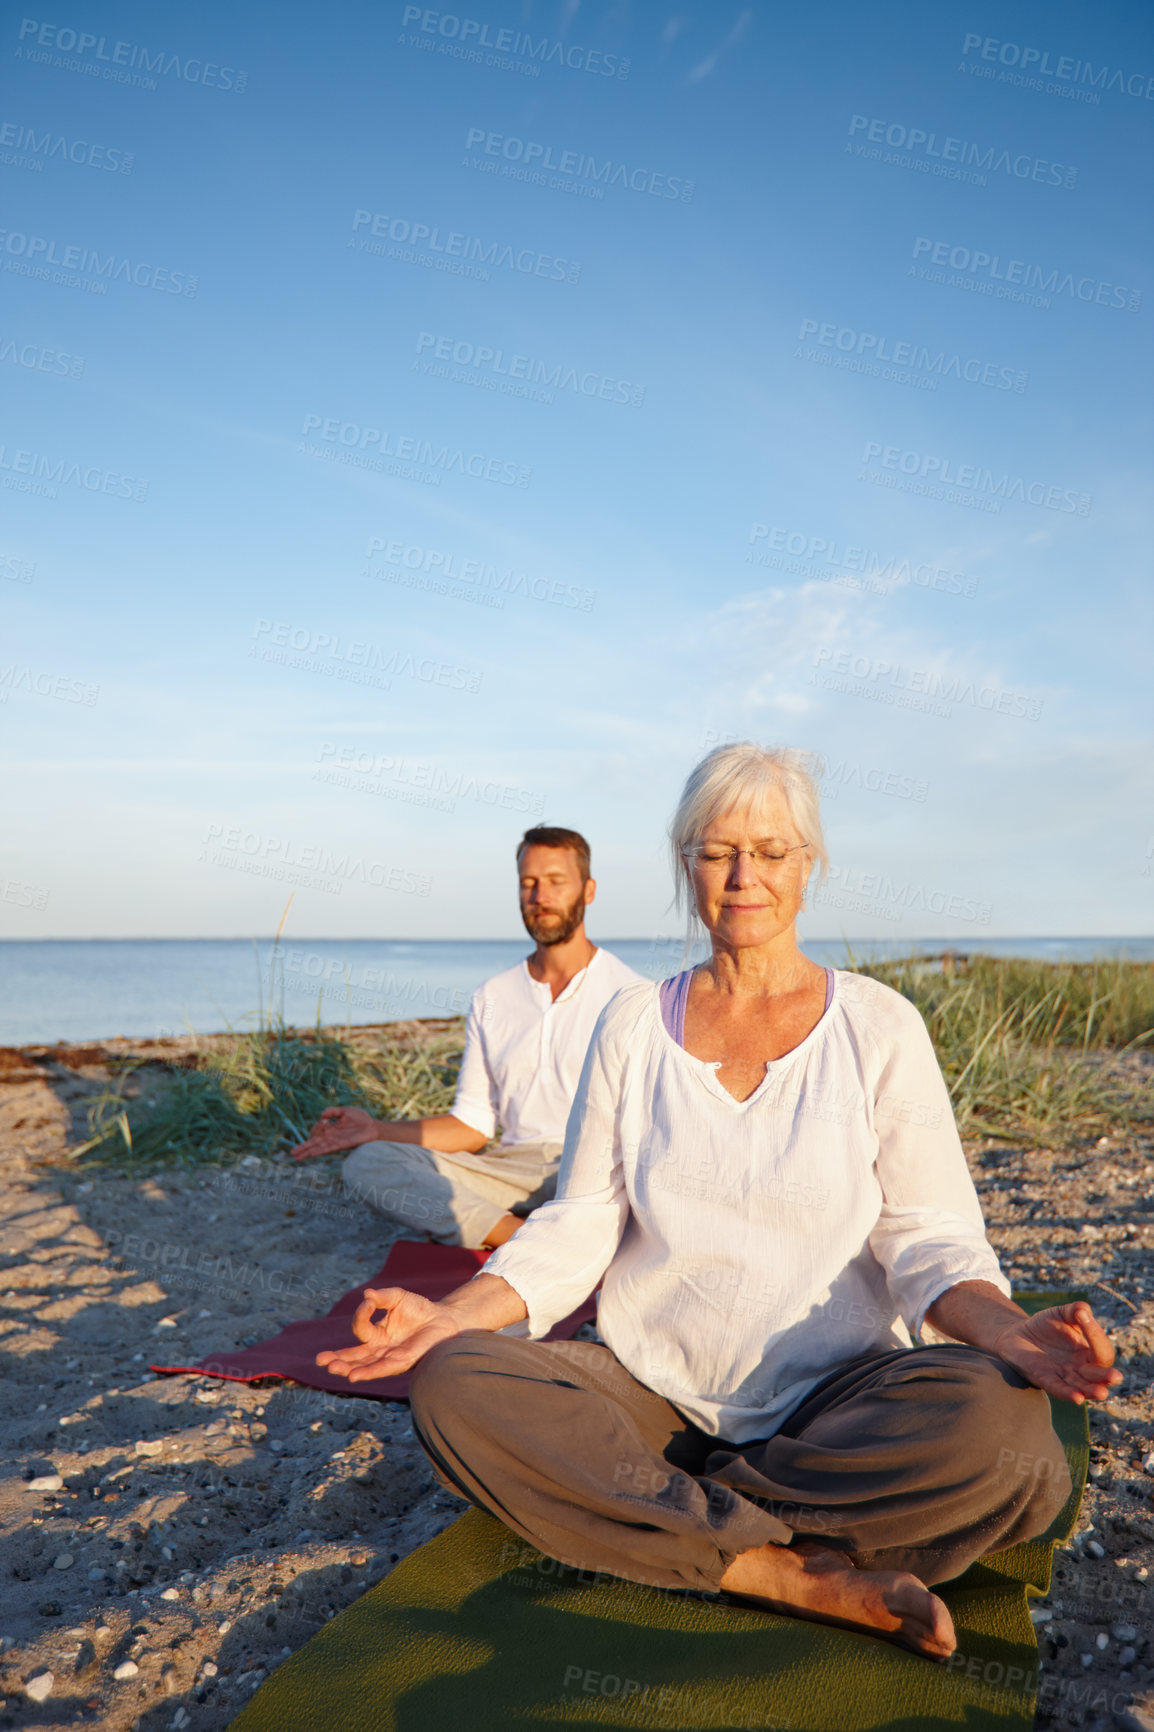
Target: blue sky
x: 308, y: 585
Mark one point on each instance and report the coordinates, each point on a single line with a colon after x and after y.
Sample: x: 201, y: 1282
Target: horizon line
x: 517, y: 938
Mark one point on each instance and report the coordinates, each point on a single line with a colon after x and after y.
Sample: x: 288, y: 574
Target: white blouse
x: 745, y: 1249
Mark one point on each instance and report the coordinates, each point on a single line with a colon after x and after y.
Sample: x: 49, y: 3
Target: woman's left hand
x: 1063, y: 1350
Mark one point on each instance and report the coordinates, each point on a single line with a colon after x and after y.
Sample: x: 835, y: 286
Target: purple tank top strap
x: 671, y: 996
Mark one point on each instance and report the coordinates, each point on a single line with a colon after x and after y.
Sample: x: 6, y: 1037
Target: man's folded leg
x: 428, y: 1192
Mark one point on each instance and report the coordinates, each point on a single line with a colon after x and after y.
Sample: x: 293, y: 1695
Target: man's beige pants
x: 458, y: 1199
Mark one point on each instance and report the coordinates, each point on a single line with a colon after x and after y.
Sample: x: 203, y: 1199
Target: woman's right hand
x: 410, y: 1327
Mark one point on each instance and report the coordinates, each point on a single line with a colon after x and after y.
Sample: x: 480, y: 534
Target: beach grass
x: 1036, y: 1049
x: 260, y: 1093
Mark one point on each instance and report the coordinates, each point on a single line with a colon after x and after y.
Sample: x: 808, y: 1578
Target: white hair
x: 742, y: 775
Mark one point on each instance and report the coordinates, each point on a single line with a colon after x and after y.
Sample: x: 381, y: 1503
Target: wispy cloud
x: 737, y: 30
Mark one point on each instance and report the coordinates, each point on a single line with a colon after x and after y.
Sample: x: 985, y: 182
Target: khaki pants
x: 458, y: 1199
x: 923, y: 1459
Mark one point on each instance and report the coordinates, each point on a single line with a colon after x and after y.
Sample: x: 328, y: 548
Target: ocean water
x: 90, y: 989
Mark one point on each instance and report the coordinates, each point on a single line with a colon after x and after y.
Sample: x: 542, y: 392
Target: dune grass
x: 1034, y: 1048
x: 260, y: 1093
x: 1027, y: 1048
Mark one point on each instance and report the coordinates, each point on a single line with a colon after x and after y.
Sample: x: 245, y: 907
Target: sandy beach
x: 167, y: 1541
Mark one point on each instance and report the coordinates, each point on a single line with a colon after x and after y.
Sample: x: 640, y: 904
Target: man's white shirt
x: 524, y: 1049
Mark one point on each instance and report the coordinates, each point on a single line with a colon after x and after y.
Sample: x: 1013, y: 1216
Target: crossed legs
x: 895, y: 1474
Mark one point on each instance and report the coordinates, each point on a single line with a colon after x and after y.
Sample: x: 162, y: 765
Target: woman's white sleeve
x: 557, y: 1258
x: 930, y: 1234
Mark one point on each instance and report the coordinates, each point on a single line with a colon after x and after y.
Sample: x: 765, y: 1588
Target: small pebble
x: 167, y: 1323
x: 276, y: 1443
x: 224, y: 1627
x: 1148, y: 1464
x: 64, y: 1561
x: 1102, y: 1640
x: 1127, y: 1657
x: 45, y: 1482
x: 97, y: 1575
x: 40, y: 1687
x: 1087, y: 1659
x: 1123, y: 1632
x: 1095, y: 1549
x: 150, y: 1448
x: 209, y: 1669
x: 171, y: 1594
x: 1041, y: 1615
x: 126, y: 1669
x: 102, y: 1630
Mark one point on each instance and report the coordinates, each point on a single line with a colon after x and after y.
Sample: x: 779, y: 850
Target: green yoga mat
x: 478, y: 1630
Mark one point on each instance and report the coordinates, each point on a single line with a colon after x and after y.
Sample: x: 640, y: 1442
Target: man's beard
x: 554, y: 928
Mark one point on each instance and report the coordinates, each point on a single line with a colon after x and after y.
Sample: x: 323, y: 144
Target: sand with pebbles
x: 167, y: 1541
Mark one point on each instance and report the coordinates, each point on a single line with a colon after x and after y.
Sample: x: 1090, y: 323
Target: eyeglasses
x: 713, y: 855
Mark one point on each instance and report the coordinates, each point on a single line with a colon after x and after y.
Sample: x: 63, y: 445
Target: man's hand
x: 1063, y: 1350
x: 411, y: 1326
x: 338, y: 1128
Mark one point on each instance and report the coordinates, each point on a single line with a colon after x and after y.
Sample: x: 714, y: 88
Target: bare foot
x: 818, y: 1583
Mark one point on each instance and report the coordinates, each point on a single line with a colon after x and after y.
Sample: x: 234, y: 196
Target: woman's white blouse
x: 746, y: 1248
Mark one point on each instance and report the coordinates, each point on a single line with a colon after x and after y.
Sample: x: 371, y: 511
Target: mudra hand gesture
x: 392, y: 1345
x: 1063, y: 1350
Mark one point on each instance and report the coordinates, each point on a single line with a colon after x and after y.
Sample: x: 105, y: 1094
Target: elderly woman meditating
x: 763, y: 1176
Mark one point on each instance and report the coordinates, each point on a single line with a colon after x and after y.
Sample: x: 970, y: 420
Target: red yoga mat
x: 431, y: 1270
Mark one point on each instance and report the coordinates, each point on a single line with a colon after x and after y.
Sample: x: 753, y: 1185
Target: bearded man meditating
x: 763, y: 1175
